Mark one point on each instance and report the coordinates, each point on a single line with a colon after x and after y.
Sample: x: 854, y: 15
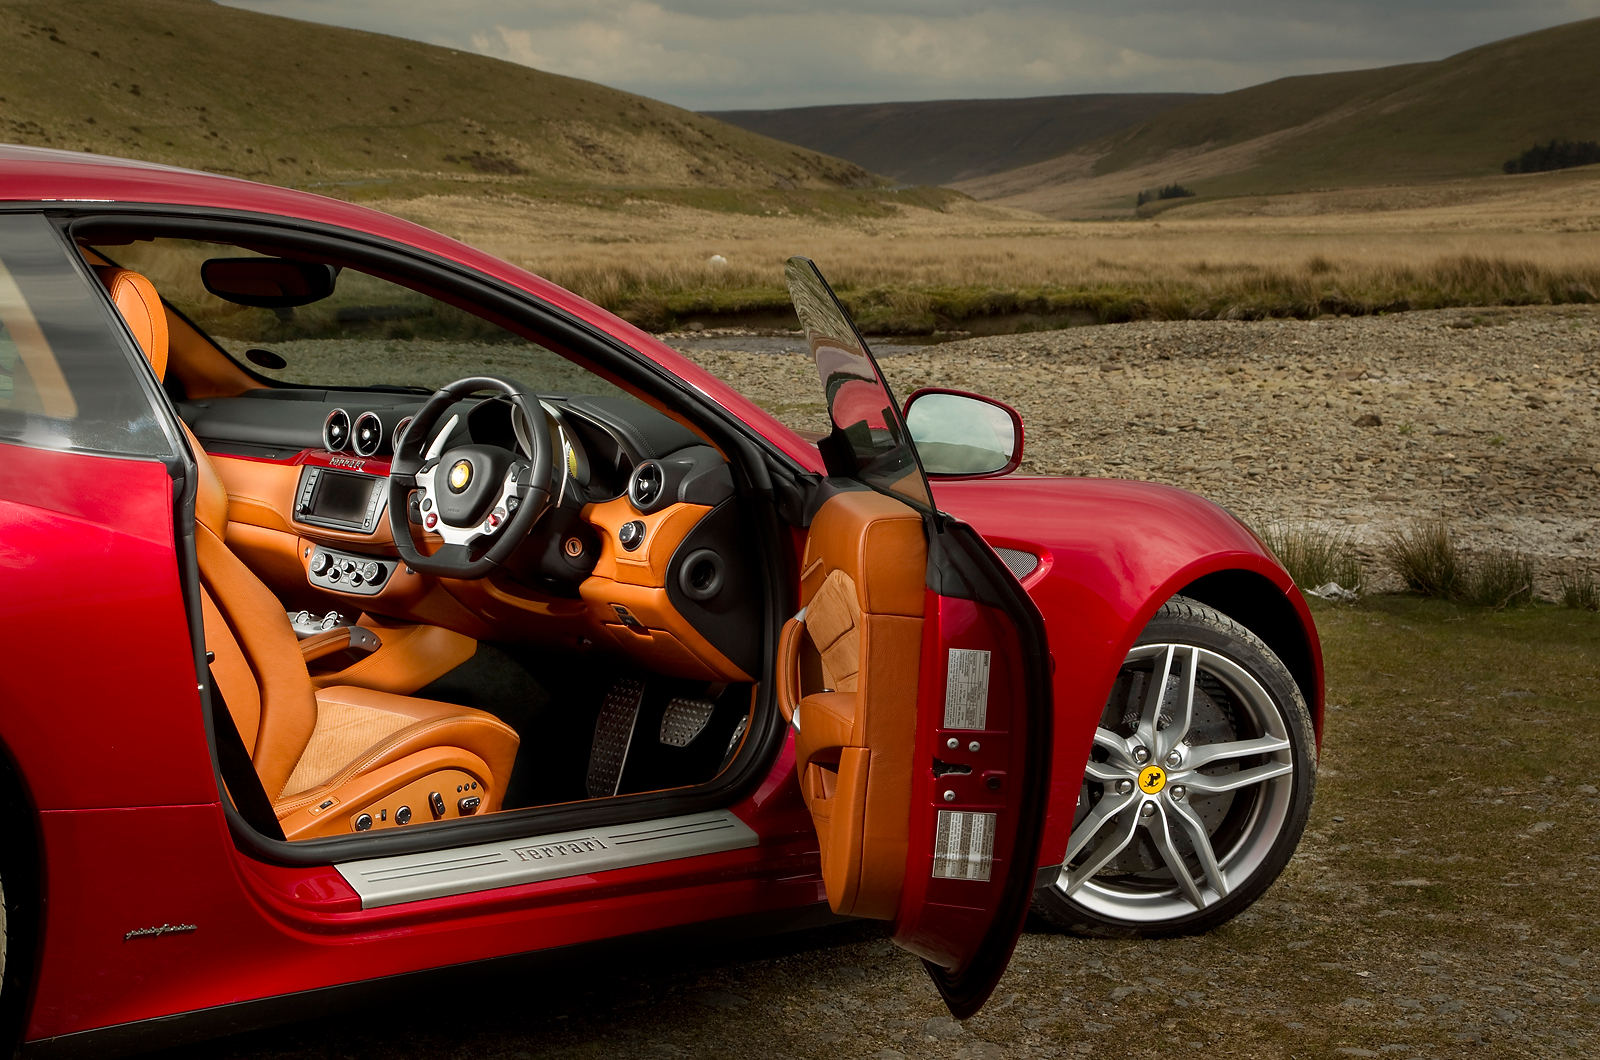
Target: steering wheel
x: 481, y: 499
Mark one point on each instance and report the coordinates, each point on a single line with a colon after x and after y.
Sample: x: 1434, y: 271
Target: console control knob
x: 319, y: 563
x: 348, y: 566
x: 333, y: 574
x: 364, y: 822
x: 469, y: 805
x: 371, y: 571
x: 402, y: 815
x: 631, y: 536
x: 355, y: 578
x: 436, y: 803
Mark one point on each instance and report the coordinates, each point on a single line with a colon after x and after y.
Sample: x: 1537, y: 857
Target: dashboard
x: 644, y: 551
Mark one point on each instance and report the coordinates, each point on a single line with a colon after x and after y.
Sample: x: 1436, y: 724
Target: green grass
x: 192, y: 83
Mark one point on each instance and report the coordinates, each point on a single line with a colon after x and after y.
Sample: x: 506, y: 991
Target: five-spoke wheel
x: 1198, y: 786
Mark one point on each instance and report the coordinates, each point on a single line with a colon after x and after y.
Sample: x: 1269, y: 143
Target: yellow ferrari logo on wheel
x: 460, y: 475
x: 1152, y: 779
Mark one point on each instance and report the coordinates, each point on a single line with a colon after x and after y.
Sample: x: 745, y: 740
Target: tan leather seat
x: 326, y: 757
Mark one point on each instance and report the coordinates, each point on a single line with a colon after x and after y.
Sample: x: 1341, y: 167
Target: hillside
x: 1458, y: 117
x: 944, y: 141
x: 195, y: 84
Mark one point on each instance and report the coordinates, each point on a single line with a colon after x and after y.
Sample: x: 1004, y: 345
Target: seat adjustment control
x: 364, y: 822
x: 402, y: 815
x: 436, y: 803
x: 468, y: 806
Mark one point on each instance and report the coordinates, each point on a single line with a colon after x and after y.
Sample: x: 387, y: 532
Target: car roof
x: 46, y: 175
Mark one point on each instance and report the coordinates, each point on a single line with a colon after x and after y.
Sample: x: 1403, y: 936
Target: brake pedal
x: 684, y: 719
x: 613, y: 733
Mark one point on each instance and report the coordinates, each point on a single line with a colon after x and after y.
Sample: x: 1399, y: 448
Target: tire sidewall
x: 1185, y: 621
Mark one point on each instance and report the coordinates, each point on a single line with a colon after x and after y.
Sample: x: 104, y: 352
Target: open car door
x: 917, y: 680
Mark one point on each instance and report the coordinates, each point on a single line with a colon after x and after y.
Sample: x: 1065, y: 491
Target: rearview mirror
x: 961, y: 435
x: 268, y: 283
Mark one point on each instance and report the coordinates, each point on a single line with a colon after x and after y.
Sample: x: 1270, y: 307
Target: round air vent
x: 336, y: 431
x: 644, y: 488
x: 399, y: 432
x: 368, y: 438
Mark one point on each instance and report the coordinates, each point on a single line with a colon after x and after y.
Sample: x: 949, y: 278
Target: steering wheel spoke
x: 481, y: 498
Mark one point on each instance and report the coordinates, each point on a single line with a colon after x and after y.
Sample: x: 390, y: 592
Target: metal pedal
x: 613, y: 734
x: 733, y: 742
x: 684, y: 719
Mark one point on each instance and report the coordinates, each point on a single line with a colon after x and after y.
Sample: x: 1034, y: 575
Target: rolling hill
x: 195, y: 84
x: 944, y: 141
x: 1463, y: 116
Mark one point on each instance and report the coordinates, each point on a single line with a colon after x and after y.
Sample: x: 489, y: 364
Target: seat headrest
x: 136, y: 298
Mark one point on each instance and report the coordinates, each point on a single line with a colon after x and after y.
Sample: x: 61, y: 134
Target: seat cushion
x: 361, y: 729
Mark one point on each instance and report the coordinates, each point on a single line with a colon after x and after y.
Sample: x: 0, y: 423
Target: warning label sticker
x: 963, y: 848
x: 966, y: 692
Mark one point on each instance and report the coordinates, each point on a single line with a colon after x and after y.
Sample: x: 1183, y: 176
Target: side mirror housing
x: 962, y: 435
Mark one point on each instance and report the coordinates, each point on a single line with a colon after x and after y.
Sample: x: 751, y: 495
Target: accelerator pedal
x: 684, y: 719
x: 613, y: 734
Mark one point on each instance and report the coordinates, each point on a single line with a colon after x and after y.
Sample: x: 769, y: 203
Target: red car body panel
x: 131, y: 825
x: 1112, y: 552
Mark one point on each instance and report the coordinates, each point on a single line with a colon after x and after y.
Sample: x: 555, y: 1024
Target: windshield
x: 368, y: 332
x: 869, y: 440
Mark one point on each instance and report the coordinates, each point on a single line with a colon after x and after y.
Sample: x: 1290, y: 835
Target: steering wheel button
x: 427, y: 504
x: 430, y: 521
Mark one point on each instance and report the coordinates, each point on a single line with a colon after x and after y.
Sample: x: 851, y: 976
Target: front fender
x: 1111, y: 553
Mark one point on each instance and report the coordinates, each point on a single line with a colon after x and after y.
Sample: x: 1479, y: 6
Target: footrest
x: 613, y: 733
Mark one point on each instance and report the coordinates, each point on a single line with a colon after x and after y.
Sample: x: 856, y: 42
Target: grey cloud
x: 729, y: 54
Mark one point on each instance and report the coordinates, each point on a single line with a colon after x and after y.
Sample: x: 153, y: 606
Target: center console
x: 348, y: 572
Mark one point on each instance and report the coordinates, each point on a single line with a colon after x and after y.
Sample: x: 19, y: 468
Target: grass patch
x: 897, y: 300
x: 1425, y: 557
x: 1578, y: 589
x: 1314, y: 556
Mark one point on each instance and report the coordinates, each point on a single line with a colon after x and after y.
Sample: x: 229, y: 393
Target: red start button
x: 430, y: 520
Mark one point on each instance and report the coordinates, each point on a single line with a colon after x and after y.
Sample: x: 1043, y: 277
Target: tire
x: 1152, y: 796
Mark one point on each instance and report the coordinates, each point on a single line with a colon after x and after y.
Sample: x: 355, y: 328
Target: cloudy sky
x: 735, y: 54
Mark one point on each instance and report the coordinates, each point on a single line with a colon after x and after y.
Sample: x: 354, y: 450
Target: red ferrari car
x: 378, y: 610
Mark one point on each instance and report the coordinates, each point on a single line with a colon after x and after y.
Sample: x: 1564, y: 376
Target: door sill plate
x: 463, y: 870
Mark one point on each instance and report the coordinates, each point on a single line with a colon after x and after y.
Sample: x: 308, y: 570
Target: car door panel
x: 853, y: 748
x: 918, y: 681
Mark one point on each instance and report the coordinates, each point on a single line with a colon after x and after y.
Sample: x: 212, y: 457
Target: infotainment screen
x: 340, y: 500
x: 343, y: 498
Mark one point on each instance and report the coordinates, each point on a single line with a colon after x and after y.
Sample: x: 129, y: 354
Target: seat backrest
x: 136, y: 298
x: 258, y: 666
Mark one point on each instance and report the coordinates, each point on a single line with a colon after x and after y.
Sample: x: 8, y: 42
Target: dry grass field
x: 967, y: 266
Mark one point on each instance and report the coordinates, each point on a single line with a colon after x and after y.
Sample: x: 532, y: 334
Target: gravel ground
x: 1486, y: 417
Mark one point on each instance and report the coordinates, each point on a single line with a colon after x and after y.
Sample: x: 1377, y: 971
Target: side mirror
x: 962, y: 435
x: 268, y: 283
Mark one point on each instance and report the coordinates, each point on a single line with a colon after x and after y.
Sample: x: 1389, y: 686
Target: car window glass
x: 66, y: 378
x: 369, y: 332
x: 865, y: 422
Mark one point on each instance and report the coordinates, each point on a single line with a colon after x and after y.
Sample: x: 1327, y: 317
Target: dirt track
x: 1490, y: 418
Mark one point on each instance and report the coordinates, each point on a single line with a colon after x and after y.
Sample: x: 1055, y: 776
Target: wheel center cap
x: 1152, y: 779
